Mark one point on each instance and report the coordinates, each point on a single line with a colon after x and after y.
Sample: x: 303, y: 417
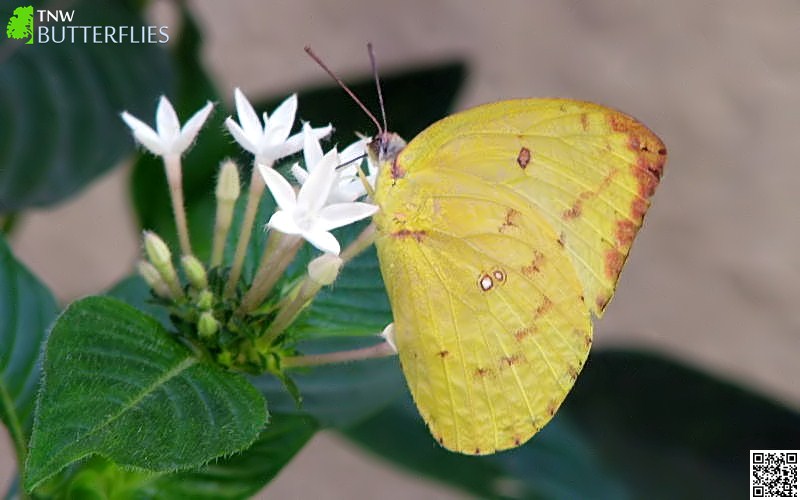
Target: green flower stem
x: 380, y: 350
x: 361, y: 243
x: 289, y: 310
x: 280, y: 251
x: 257, y: 186
x: 172, y: 165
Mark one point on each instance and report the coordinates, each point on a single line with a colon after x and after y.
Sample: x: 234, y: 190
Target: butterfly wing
x: 489, y: 320
x: 500, y: 229
x: 588, y: 170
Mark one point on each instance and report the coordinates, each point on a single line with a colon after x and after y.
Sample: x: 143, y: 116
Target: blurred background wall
x: 714, y: 276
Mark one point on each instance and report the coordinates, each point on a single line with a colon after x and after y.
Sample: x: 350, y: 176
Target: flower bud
x: 153, y: 279
x: 207, y: 325
x: 205, y: 300
x: 157, y: 251
x: 324, y: 269
x: 195, y: 272
x: 161, y: 258
x: 228, y: 188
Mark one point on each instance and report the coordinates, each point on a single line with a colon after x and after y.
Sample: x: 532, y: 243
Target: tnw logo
x: 59, y: 16
x: 20, y: 25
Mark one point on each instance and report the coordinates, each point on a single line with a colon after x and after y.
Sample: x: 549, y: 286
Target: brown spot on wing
x: 524, y: 157
x: 536, y: 264
x: 418, y: 235
x: 511, y: 220
x: 443, y: 353
x: 638, y: 209
x: 577, y: 207
x: 648, y: 176
x: 512, y: 359
x: 626, y: 230
x: 482, y: 372
x: 573, y: 212
x: 651, y: 153
x: 584, y: 121
x: 524, y: 332
x: 544, y: 307
x: 517, y: 440
x: 562, y: 238
x: 614, y: 261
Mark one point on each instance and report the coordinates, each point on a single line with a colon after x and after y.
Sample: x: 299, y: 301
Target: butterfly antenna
x: 344, y: 87
x: 377, y: 83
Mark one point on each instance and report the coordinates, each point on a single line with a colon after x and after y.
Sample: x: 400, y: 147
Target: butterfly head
x: 385, y: 146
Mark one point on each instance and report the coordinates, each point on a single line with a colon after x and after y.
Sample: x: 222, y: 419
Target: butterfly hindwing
x: 489, y: 320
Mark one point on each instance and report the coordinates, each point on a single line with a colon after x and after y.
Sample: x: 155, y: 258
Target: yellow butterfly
x: 500, y: 230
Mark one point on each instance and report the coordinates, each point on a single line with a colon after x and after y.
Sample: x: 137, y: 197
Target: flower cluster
x: 329, y: 187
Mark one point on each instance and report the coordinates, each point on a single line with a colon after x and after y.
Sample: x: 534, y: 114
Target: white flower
x: 168, y: 138
x: 308, y: 213
x: 348, y: 174
x: 347, y: 186
x: 271, y: 141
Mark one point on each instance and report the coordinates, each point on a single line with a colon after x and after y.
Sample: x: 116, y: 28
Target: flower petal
x: 342, y: 214
x: 348, y: 190
x: 145, y: 135
x: 354, y: 151
x: 279, y: 125
x: 167, y: 124
x: 281, y: 190
x: 240, y: 136
x: 315, y: 191
x: 323, y: 240
x: 247, y: 117
x: 388, y: 336
x: 295, y: 143
x: 284, y: 222
x: 312, y: 151
x: 192, y: 127
x: 300, y: 174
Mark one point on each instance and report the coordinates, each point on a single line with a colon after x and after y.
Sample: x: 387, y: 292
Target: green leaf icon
x: 20, y: 25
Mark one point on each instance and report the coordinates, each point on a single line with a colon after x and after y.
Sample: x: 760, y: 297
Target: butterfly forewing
x: 587, y: 170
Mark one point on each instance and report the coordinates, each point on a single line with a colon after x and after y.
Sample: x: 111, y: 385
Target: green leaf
x: 243, y: 474
x: 555, y: 464
x: 672, y: 431
x: 135, y: 292
x: 118, y: 385
x: 60, y: 105
x: 26, y: 310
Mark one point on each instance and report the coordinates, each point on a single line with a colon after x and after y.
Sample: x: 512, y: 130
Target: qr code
x: 773, y: 474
